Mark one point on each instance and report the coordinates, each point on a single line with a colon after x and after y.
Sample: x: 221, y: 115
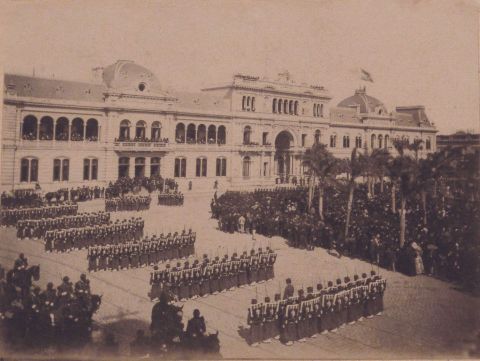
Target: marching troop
x: 296, y: 318
x: 149, y: 251
x: 63, y: 240
x: 213, y: 276
x: 170, y: 199
x: 36, y: 228
x: 128, y: 203
x: 10, y: 217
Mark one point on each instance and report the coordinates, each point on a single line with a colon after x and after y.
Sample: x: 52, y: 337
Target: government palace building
x: 247, y: 132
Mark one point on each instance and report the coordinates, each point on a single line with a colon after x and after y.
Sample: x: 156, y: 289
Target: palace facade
x: 249, y: 131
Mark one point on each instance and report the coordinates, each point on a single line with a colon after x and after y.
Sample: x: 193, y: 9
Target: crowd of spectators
x: 446, y: 246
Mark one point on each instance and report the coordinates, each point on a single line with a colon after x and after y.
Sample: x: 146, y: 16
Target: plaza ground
x: 423, y: 318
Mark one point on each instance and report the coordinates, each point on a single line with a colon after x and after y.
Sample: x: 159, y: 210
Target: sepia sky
x: 418, y: 52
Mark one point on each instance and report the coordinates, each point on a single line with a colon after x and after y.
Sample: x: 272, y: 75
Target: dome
x: 127, y: 76
x: 366, y: 103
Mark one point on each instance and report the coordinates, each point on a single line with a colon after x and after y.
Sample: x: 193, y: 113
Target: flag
x: 365, y: 75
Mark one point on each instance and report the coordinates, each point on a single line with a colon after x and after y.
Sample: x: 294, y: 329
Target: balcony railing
x: 141, y: 143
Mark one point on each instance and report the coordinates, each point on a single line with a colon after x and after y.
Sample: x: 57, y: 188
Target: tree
x: 380, y: 159
x: 356, y: 168
x: 404, y: 170
x: 323, y: 166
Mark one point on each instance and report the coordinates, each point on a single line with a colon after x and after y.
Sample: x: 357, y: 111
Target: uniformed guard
x: 254, y: 320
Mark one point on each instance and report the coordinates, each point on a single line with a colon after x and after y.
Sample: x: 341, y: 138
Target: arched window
x: 373, y: 140
x: 76, y: 134
x: 387, y: 140
x: 124, y: 130
x: 155, y: 132
x: 246, y: 167
x: 221, y: 169
x: 317, y: 136
x: 358, y: 141
x: 90, y: 169
x: 201, y: 169
x: 346, y: 141
x: 61, y: 129
x: 212, y: 134
x: 321, y: 111
x: 91, y: 133
x: 274, y: 105
x: 428, y: 144
x: 290, y: 107
x: 296, y: 108
x: 46, y: 128
x: 222, y: 135
x: 280, y: 105
x: 244, y: 102
x: 123, y: 167
x: 333, y: 140
x: 29, y: 128
x: 191, y: 134
x: 29, y: 169
x: 247, y: 131
x: 248, y: 103
x: 285, y: 106
x: 202, y: 134
x: 139, y: 167
x: 140, y: 130
x: 314, y: 110
x: 155, y: 167
x: 380, y: 141
x: 180, y: 167
x: 253, y: 104
x: 61, y: 169
x: 180, y: 133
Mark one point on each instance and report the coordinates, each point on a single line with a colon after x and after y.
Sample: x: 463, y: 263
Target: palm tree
x: 404, y: 170
x: 356, y: 165
x: 323, y: 166
x: 380, y: 159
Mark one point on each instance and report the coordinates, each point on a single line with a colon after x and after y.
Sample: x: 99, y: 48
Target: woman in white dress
x: 419, y: 269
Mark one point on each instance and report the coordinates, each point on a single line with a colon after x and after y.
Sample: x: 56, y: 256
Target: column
x: 131, y: 167
x: 147, y: 166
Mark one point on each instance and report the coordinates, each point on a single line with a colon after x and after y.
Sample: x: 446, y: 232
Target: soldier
x: 289, y: 289
x: 205, y: 282
x: 242, y: 271
x: 65, y: 291
x: 270, y: 320
x: 196, y: 280
x: 253, y: 268
x: 289, y: 332
x: 254, y: 320
x: 196, y: 328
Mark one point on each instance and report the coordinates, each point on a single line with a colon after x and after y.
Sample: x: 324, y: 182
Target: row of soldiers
x: 212, y: 277
x: 149, y: 251
x: 10, y: 217
x: 171, y: 199
x: 36, y: 228
x: 295, y: 318
x: 63, y: 240
x: 128, y: 203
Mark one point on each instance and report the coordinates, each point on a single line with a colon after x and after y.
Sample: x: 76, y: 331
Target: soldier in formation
x: 65, y: 240
x: 10, y: 217
x: 36, y: 228
x: 128, y: 203
x: 148, y: 251
x: 171, y: 199
x: 192, y: 280
x: 296, y: 318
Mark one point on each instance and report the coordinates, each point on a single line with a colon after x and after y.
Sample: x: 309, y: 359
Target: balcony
x: 140, y: 144
x: 255, y: 147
